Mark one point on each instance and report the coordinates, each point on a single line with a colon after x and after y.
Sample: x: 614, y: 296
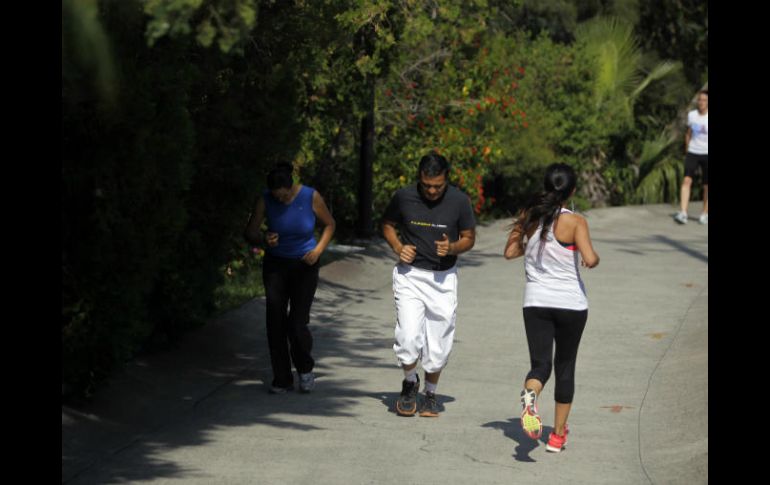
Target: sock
x: 411, y: 375
x: 430, y: 387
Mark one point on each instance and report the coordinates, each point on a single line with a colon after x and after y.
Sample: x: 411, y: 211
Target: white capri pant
x: 426, y: 309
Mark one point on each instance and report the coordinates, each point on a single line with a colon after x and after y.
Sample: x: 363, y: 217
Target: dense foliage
x: 173, y: 111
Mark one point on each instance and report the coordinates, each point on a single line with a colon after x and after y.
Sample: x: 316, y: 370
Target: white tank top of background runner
x: 553, y: 278
x: 699, y: 138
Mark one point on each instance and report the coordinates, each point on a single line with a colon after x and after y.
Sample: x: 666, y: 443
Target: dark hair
x: 704, y: 91
x: 559, y: 182
x: 433, y: 165
x: 280, y: 176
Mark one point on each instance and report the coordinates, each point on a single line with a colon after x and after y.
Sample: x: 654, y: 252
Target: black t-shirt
x: 422, y: 222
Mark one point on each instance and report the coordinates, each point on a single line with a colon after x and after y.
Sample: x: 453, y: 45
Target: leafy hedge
x: 172, y: 112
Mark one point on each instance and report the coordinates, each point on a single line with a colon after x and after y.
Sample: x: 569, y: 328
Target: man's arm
x: 465, y: 243
x: 405, y: 252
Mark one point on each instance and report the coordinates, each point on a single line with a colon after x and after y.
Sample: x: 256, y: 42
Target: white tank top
x: 553, y: 278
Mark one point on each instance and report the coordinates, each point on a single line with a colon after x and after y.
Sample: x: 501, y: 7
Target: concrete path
x: 201, y: 414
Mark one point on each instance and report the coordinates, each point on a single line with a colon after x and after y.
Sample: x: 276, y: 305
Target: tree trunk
x: 365, y: 197
x: 366, y: 40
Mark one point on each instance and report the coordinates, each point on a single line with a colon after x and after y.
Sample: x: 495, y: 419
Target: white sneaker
x: 704, y: 219
x: 306, y: 382
x: 681, y: 217
x: 530, y: 419
x: 280, y: 390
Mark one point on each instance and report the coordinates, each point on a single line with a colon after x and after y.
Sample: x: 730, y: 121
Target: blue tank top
x: 294, y: 224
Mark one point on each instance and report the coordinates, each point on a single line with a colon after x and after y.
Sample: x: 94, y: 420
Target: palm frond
x: 653, y: 151
x: 660, y: 71
x: 612, y: 43
x: 661, y: 184
x: 91, y: 46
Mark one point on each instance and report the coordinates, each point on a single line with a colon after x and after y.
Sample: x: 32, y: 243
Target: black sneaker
x: 429, y: 408
x: 407, y: 401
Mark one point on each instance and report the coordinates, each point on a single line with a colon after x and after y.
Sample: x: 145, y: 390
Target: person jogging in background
x: 290, y: 271
x: 552, y: 239
x: 436, y: 224
x: 696, y: 145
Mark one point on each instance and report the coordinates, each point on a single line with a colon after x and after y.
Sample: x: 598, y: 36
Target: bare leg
x: 535, y: 385
x: 684, y: 196
x: 705, y: 198
x: 560, y: 418
x: 410, y: 366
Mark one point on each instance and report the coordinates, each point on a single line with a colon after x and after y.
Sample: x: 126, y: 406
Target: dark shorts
x: 692, y: 161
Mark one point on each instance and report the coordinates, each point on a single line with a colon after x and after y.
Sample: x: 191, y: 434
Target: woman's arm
x: 513, y: 247
x: 253, y: 232
x: 322, y: 214
x: 583, y: 242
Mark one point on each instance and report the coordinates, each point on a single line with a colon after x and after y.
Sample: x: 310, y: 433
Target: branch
x: 434, y: 56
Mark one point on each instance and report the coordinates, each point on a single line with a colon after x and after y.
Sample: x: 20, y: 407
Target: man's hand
x: 442, y: 246
x: 271, y: 238
x: 408, y: 253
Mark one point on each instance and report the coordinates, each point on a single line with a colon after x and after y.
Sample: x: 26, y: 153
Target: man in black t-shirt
x: 436, y: 224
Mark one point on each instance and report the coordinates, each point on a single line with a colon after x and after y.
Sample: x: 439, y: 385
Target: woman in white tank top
x: 555, y: 304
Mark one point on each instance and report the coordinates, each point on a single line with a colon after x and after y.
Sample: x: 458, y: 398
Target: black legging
x: 290, y: 288
x: 544, y: 326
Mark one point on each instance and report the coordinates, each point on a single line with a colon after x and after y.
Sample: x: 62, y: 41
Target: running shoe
x: 407, y: 401
x: 429, y: 407
x: 306, y: 382
x: 557, y: 443
x: 530, y: 419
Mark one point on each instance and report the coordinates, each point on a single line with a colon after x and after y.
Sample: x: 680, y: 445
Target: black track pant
x: 290, y: 287
x: 545, y: 326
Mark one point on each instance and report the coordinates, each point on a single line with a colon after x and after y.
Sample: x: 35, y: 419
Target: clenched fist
x: 408, y: 253
x: 271, y: 238
x: 442, y: 246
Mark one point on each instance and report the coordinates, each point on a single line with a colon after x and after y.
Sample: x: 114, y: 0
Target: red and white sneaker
x: 557, y: 443
x: 530, y: 420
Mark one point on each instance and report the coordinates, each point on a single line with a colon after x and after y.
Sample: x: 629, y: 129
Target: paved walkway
x: 201, y: 414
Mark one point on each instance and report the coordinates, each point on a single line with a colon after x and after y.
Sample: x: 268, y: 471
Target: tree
x: 678, y: 30
x: 618, y: 82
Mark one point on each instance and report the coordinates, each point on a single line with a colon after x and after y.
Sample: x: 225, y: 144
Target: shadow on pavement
x: 512, y: 429
x: 388, y: 399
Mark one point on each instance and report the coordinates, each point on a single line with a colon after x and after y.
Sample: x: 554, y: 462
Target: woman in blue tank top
x: 290, y: 271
